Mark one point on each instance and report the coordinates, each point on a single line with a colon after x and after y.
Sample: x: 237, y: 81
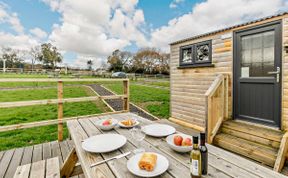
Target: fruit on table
x: 107, y: 122
x: 187, y: 142
x: 178, y: 140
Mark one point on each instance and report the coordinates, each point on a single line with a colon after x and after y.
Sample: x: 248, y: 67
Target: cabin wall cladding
x: 188, y: 86
x: 285, y: 76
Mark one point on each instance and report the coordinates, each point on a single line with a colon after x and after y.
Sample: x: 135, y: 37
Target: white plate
x: 181, y: 149
x: 161, y: 166
x: 104, y: 143
x: 158, y: 130
x: 124, y: 126
x: 100, y: 125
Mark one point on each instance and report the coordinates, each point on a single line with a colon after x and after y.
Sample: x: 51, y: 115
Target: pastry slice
x: 148, y: 162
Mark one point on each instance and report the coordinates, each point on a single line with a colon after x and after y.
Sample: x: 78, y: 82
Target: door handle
x: 277, y: 73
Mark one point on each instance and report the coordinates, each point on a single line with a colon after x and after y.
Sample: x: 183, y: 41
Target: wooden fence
x: 60, y: 101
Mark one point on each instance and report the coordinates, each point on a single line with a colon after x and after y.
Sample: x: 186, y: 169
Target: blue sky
x: 97, y: 27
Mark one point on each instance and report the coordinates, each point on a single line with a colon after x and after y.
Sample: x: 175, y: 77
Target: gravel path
x: 117, y: 104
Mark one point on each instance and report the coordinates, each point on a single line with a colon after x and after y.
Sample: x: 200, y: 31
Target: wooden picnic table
x: 222, y: 164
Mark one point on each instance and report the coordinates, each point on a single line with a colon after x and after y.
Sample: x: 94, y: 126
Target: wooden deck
x: 221, y: 163
x: 11, y: 159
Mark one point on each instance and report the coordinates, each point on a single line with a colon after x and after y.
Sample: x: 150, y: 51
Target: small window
x: 198, y: 54
x: 187, y: 55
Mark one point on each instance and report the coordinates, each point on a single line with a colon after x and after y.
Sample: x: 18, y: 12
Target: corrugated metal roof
x: 228, y: 28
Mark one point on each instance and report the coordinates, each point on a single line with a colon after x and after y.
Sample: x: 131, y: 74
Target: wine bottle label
x: 194, y: 169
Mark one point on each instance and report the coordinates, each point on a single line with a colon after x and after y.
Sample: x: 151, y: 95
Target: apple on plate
x: 178, y: 140
x: 187, y: 142
x: 107, y: 122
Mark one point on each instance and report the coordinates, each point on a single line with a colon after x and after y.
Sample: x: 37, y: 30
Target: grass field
x: 26, y: 114
x: 153, y: 100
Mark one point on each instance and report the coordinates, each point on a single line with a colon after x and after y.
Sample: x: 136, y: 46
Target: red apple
x: 178, y: 140
x: 187, y: 142
x: 107, y: 122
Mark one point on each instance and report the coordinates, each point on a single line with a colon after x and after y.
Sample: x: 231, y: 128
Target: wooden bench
x: 42, y: 169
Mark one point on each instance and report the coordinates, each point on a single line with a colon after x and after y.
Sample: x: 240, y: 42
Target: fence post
x: 60, y: 110
x: 127, y: 93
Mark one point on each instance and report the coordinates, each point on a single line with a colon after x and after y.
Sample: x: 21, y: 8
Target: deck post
x: 60, y: 110
x: 127, y: 93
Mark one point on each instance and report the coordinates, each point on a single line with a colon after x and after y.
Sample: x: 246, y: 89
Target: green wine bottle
x: 204, y: 154
x: 195, y: 167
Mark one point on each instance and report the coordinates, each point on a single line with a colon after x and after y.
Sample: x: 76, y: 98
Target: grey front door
x: 257, y: 74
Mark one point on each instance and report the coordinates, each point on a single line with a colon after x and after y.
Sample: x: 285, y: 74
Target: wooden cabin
x: 233, y: 84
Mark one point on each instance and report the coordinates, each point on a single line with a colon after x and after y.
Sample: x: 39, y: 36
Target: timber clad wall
x: 188, y: 86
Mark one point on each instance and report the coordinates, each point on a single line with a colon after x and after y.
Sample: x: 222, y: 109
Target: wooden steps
x: 252, y: 141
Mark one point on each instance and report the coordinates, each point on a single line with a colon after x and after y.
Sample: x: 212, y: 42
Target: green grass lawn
x: 25, y: 137
x: 153, y: 100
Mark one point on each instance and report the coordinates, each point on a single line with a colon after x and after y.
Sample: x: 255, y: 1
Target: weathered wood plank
x: 38, y: 169
x: 27, y: 155
x: 56, y: 152
x: 52, y: 168
x: 37, y: 153
x: 56, y: 101
x: 5, y: 161
x: 50, y: 122
x: 15, y: 162
x: 86, y: 159
x: 47, y: 150
x: 243, y: 163
x: 23, y: 171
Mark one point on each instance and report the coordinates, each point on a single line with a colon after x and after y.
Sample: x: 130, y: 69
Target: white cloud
x: 212, y: 15
x: 174, y: 3
x: 18, y: 40
x: 96, y: 28
x: 10, y: 19
x: 38, y: 33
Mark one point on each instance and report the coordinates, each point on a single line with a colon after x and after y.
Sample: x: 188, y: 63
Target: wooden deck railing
x: 216, y: 105
x: 60, y: 101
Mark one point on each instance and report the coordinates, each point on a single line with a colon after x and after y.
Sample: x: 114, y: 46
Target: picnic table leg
x: 69, y: 164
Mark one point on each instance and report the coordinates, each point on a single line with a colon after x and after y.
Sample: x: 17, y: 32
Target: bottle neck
x: 195, y: 146
x: 202, y: 142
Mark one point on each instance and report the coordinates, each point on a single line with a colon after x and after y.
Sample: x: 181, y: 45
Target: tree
x: 89, y: 64
x: 50, y: 55
x: 11, y: 58
x: 35, y: 54
x: 147, y: 60
x: 118, y: 60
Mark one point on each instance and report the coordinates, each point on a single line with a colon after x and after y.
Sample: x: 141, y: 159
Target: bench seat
x: 42, y: 169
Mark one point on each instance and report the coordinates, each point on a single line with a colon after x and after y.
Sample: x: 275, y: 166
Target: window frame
x: 181, y: 55
x: 193, y: 62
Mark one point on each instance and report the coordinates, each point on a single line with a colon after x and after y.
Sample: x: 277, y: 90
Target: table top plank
x: 115, y: 165
x: 175, y: 168
x: 85, y: 158
x: 122, y: 171
x: 38, y: 169
x: 222, y: 164
x: 164, y: 148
